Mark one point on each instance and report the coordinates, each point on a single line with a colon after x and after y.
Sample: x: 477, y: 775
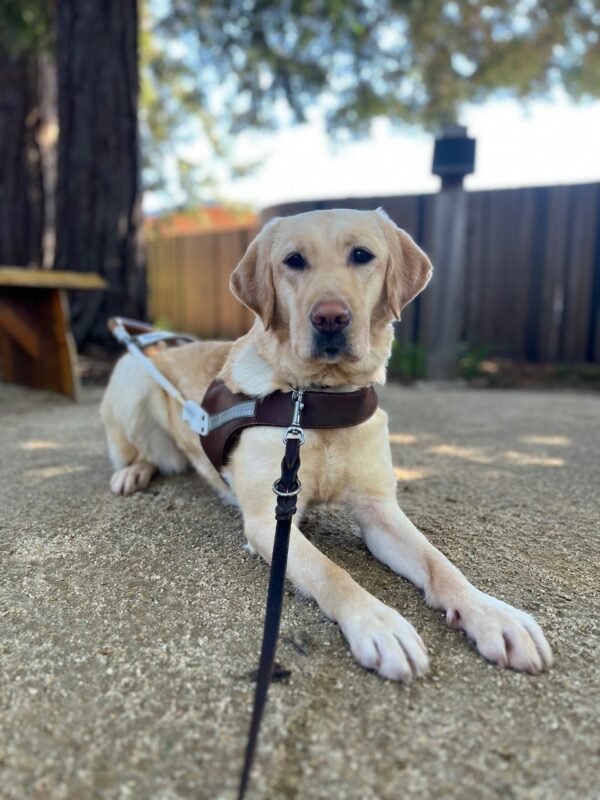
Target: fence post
x: 454, y: 157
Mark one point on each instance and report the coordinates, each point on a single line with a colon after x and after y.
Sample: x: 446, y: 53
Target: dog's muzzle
x: 329, y: 345
x: 330, y: 320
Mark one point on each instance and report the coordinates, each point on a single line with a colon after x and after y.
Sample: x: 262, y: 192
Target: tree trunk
x: 48, y: 140
x: 21, y: 185
x: 98, y: 189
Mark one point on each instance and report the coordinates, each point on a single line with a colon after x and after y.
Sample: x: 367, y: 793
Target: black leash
x: 287, y: 489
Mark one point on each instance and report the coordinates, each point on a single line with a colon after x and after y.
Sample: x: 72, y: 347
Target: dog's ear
x: 408, y: 269
x: 252, y: 280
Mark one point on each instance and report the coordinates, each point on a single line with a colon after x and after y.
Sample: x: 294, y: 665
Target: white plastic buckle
x: 196, y: 417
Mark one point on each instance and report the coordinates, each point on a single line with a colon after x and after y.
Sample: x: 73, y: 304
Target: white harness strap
x: 192, y: 412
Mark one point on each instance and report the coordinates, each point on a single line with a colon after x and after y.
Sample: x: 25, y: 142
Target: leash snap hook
x: 295, y: 431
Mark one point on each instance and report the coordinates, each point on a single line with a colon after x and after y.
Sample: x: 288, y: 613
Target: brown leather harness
x: 231, y: 413
x: 219, y: 420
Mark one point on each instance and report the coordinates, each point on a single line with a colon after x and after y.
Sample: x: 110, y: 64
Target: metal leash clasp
x: 293, y: 431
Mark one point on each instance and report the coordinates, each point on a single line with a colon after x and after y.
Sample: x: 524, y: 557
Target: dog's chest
x: 331, y: 463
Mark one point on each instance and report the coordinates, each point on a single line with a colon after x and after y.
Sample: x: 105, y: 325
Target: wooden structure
x: 36, y: 346
x: 188, y: 283
x: 530, y: 281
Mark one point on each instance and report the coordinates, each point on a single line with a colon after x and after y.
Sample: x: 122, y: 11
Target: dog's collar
x: 231, y: 412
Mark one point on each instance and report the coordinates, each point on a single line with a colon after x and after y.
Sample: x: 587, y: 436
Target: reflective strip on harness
x: 238, y: 411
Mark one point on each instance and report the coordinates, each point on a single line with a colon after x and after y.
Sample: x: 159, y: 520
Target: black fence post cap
x: 453, y: 155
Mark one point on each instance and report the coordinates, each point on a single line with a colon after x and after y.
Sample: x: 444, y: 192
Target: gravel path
x: 129, y: 627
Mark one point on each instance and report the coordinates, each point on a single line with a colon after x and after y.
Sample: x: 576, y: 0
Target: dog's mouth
x: 331, y: 347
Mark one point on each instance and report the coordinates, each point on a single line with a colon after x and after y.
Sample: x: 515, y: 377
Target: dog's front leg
x: 379, y: 637
x: 503, y: 634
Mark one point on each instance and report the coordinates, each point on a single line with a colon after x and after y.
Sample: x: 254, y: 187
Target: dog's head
x: 326, y: 283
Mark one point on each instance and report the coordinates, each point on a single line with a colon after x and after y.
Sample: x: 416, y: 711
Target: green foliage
x: 221, y: 68
x: 472, y: 359
x: 26, y: 25
x: 407, y: 361
x: 163, y: 324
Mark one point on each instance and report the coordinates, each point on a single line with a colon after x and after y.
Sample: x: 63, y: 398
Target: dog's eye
x: 361, y: 256
x: 295, y: 261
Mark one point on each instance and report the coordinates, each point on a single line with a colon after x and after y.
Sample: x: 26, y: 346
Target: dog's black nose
x: 330, y: 316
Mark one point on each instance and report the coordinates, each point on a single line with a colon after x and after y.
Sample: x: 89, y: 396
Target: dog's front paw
x: 133, y: 478
x: 382, y: 640
x: 504, y: 635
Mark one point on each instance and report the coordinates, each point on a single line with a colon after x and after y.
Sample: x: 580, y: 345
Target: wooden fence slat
x: 580, y: 273
x: 188, y: 282
x: 593, y: 344
x: 552, y: 301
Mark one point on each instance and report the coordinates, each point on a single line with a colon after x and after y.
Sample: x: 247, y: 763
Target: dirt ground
x: 129, y: 627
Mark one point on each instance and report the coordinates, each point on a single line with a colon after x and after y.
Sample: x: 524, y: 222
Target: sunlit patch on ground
x: 39, y: 444
x: 44, y: 473
x: 478, y: 455
x: 402, y: 438
x: 475, y: 454
x: 411, y: 473
x: 527, y: 459
x: 553, y: 441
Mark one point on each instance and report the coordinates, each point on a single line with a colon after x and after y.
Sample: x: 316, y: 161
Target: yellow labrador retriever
x: 325, y: 287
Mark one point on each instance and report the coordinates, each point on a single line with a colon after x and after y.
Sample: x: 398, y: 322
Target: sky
x: 540, y: 143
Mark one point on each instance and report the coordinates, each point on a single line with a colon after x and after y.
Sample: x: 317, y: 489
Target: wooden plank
x: 229, y: 252
x: 188, y: 296
x: 498, y: 302
x: 201, y: 285
x: 535, y: 285
x: 60, y: 359
x: 225, y: 311
x: 50, y: 279
x: 553, y: 290
x: 496, y: 280
x: 426, y: 300
x: 247, y: 316
x: 593, y: 343
x: 580, y: 274
x: 46, y: 312
x: 152, y: 277
x: 474, y: 269
x: 518, y: 259
x: 20, y: 329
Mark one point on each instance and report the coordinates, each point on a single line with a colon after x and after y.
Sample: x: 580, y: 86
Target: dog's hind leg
x: 132, y: 473
x: 135, y: 416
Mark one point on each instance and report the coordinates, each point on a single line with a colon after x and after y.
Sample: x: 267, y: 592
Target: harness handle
x: 132, y: 326
x: 123, y: 330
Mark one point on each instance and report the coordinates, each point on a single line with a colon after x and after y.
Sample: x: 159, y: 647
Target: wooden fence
x: 188, y: 282
x: 532, y: 272
x: 532, y: 269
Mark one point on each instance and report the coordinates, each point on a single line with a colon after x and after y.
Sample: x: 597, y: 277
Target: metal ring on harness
x: 291, y: 493
x: 294, y: 432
